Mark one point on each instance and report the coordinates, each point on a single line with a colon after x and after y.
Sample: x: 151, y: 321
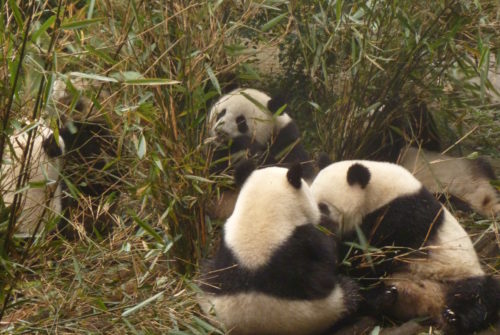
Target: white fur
x: 256, y: 313
x: 43, y: 169
x: 451, y: 255
x: 441, y: 173
x: 387, y: 182
x: 262, y: 124
x: 267, y: 211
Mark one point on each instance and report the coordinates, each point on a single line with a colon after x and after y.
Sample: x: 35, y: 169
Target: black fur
x: 483, y: 168
x: 241, y: 122
x: 473, y: 303
x: 275, y: 104
x: 294, y: 175
x: 50, y: 147
x: 302, y: 268
x: 221, y: 114
x: 287, y: 148
x: 243, y: 170
x: 405, y: 223
x: 88, y: 150
x: 358, y: 174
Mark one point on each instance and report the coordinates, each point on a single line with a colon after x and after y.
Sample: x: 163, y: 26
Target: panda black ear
x: 275, y: 104
x: 358, y: 174
x: 294, y: 175
x: 242, y: 171
x: 323, y: 160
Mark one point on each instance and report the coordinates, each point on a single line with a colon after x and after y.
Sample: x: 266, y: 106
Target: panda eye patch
x: 242, y: 124
x: 221, y: 114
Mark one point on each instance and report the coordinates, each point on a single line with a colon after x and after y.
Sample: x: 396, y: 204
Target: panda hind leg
x: 471, y: 304
x: 378, y: 299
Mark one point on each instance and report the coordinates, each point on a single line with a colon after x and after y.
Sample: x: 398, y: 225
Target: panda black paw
x: 390, y: 296
x: 450, y: 317
x: 382, y: 298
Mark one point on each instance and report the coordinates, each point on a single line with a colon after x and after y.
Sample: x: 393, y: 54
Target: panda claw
x: 391, y: 290
x: 450, y: 316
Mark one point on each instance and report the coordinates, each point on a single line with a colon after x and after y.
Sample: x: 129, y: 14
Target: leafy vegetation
x: 353, y: 72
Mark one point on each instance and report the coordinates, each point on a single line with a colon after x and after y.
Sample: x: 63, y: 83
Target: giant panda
x: 413, y: 141
x: 466, y: 180
x: 72, y: 175
x: 421, y: 254
x: 41, y: 198
x: 275, y: 269
x: 245, y: 123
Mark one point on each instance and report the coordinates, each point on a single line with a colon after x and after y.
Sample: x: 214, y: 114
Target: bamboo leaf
x: 269, y: 25
x: 144, y: 225
x: 142, y: 304
x: 93, y: 77
x: 152, y: 82
x: 17, y: 13
x: 43, y: 28
x: 80, y: 24
x: 213, y: 78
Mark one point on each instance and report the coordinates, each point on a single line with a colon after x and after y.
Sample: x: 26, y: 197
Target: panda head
x: 273, y: 201
x: 349, y: 190
x: 246, y: 112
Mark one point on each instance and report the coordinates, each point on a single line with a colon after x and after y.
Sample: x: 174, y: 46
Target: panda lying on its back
x: 427, y: 256
x: 275, y: 271
x: 243, y: 120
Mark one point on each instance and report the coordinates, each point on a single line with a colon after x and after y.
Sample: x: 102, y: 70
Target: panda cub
x: 275, y: 270
x: 243, y: 124
x: 245, y: 119
x: 417, y: 248
x: 79, y: 163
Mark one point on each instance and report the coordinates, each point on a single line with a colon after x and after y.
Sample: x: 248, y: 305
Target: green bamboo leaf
x: 144, y: 225
x: 338, y: 11
x: 141, y: 147
x: 142, y: 304
x: 198, y: 178
x: 93, y: 77
x: 206, y: 326
x: 269, y: 25
x: 17, y: 13
x: 152, y: 82
x: 100, y: 54
x: 43, y: 28
x: 90, y: 11
x: 213, y: 78
x: 80, y: 24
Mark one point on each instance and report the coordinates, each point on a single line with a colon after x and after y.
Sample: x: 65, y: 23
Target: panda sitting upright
x: 244, y: 119
x: 275, y: 270
x: 69, y: 173
x: 247, y: 122
x: 410, y: 241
